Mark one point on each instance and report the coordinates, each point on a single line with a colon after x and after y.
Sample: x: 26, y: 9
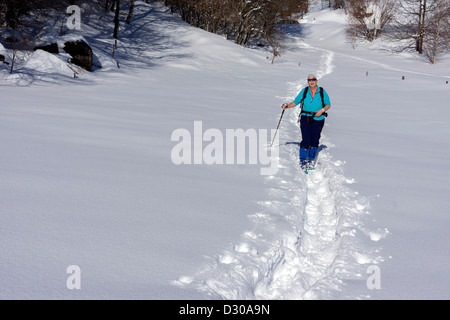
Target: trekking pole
x: 277, y: 128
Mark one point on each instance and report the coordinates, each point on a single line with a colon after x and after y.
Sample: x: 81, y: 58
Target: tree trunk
x: 423, y: 11
x: 116, y: 19
x: 436, y: 42
x: 13, y: 60
x: 130, y: 13
x: 106, y: 6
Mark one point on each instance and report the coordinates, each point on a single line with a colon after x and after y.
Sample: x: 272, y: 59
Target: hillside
x: 89, y: 174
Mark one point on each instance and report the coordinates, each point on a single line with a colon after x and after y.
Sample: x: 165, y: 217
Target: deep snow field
x: 88, y: 172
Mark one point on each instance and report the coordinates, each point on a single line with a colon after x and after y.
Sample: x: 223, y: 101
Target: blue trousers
x: 310, y: 136
x: 310, y: 132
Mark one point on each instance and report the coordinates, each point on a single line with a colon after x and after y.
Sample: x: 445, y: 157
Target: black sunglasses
x: 312, y: 80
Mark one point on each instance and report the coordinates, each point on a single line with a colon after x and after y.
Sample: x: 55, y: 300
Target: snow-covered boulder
x: 51, y: 48
x: 45, y: 62
x: 3, y: 54
x: 81, y: 53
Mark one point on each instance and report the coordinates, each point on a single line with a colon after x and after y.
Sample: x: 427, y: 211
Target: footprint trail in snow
x: 308, y: 240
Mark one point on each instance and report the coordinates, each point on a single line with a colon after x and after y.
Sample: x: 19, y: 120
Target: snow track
x: 305, y: 244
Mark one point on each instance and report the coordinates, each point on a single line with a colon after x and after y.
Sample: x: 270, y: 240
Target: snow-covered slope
x: 88, y: 178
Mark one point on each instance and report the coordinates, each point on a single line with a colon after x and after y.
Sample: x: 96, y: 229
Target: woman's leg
x: 305, y: 128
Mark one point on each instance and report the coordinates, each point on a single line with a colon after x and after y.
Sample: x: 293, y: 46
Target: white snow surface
x: 87, y: 178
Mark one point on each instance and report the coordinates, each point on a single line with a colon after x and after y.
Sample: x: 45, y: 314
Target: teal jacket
x: 313, y: 105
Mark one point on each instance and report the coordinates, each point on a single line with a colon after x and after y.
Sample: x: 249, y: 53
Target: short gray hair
x: 311, y: 75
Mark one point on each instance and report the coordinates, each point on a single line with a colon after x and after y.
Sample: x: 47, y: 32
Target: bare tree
x: 130, y: 13
x: 437, y: 32
x: 424, y: 26
x: 411, y: 22
x: 270, y: 32
x: 340, y: 4
x: 368, y: 18
x: 241, y: 19
x: 116, y: 19
x: 293, y: 8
